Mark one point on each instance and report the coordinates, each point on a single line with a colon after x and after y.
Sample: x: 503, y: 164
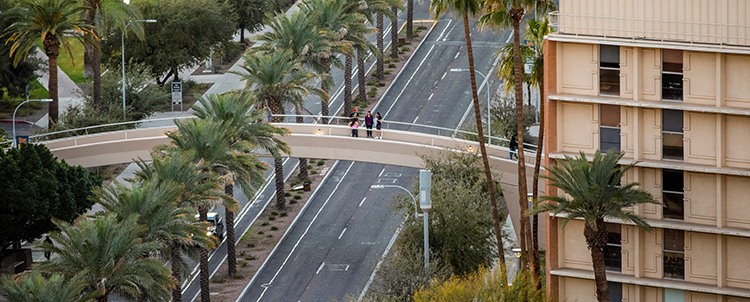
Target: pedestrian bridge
x: 402, y: 144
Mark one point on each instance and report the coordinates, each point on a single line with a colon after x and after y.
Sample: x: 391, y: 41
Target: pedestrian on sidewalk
x: 369, y: 122
x: 513, y: 147
x: 269, y: 113
x: 47, y: 254
x: 354, y: 125
x: 379, y: 125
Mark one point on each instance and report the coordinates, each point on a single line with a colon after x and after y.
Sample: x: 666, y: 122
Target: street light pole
x: 124, y: 117
x: 489, y: 121
x: 14, y: 144
x: 416, y: 204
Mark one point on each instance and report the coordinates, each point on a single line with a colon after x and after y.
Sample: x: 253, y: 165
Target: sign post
x: 21, y: 139
x: 176, y: 94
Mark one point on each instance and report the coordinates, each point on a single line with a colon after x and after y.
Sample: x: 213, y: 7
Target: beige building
x: 668, y: 82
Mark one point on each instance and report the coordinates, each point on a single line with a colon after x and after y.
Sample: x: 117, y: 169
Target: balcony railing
x: 653, y: 30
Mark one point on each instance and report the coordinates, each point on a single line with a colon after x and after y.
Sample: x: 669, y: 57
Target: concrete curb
x: 405, y: 64
x: 283, y: 237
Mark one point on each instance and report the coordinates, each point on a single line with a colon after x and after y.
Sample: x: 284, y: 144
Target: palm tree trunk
x: 394, y: 33
x: 229, y: 216
x: 517, y: 15
x: 485, y: 161
x: 177, y: 290
x: 205, y: 291
x: 361, y: 76
x: 409, y: 19
x: 348, y: 85
x: 278, y: 166
x: 96, y: 59
x: 242, y: 35
x: 52, y: 50
x: 324, y: 103
x: 379, y: 43
x: 535, y: 189
x: 303, y: 173
x: 596, y: 239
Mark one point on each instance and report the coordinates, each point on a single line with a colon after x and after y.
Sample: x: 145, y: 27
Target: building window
x: 671, y: 75
x: 671, y: 132
x: 609, y: 129
x: 615, y: 291
x: 672, y: 194
x: 674, y: 254
x: 613, y: 251
x: 609, y: 70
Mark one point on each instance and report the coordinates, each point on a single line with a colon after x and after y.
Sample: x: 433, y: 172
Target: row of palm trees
x: 51, y: 21
x: 152, y: 221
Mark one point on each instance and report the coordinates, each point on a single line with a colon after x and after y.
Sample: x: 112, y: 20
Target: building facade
x: 668, y: 83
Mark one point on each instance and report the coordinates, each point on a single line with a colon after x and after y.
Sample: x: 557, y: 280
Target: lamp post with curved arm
x: 489, y: 123
x: 15, y: 144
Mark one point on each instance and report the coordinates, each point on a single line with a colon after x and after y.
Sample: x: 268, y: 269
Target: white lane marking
x: 509, y: 37
x: 320, y: 268
x: 431, y: 94
x: 449, y: 32
x: 360, y: 204
x: 380, y: 262
x: 415, y: 119
x: 446, y: 27
x: 456, y: 56
x: 443, y: 77
x: 344, y: 230
x: 305, y: 233
x: 409, y: 81
x: 381, y: 172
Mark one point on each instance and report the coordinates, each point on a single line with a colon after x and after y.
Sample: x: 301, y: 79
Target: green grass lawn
x: 74, y: 71
x: 8, y: 104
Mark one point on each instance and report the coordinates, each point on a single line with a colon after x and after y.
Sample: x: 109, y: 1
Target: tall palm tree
x: 155, y: 205
x: 280, y: 79
x: 506, y: 14
x: 234, y: 111
x: 48, y: 21
x: 380, y: 8
x: 314, y: 47
x: 107, y: 254
x: 595, y: 192
x: 32, y: 286
x: 394, y: 32
x: 177, y: 166
x: 466, y: 8
x: 216, y: 152
x: 103, y: 14
x: 409, y: 19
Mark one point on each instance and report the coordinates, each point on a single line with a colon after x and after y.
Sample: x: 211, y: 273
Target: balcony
x: 659, y: 28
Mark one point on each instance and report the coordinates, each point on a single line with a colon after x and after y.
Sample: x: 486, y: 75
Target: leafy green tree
x: 279, y: 79
x: 466, y: 8
x: 13, y: 79
x: 48, y: 21
x: 233, y: 110
x: 177, y: 166
x: 107, y: 254
x: 103, y: 15
x: 250, y: 15
x: 507, y: 14
x: 595, y: 192
x: 185, y: 34
x: 33, y: 286
x: 503, y: 116
x: 36, y: 188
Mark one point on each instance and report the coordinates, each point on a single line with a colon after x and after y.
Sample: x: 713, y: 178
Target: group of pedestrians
x: 370, y: 122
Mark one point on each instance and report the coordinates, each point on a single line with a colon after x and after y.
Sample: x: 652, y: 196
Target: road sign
x: 21, y: 139
x: 176, y: 92
x: 528, y: 65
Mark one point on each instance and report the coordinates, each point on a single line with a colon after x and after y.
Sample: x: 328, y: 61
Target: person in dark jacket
x: 513, y: 147
x: 369, y: 121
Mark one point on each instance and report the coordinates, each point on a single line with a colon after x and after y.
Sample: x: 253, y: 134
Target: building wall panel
x: 580, y: 128
x: 651, y: 140
x: 628, y: 249
x: 737, y: 72
x: 699, y: 297
x: 652, y: 183
x: 700, y: 138
x: 627, y: 130
x: 575, y: 253
x: 699, y: 248
x: 700, y: 198
x: 699, y: 78
x: 651, y: 74
x: 653, y: 243
x: 578, y: 69
x: 574, y: 289
x: 738, y: 267
x: 738, y: 203
x: 738, y: 144
x: 627, y: 72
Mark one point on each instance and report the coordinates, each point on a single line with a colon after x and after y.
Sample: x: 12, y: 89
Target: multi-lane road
x: 332, y: 251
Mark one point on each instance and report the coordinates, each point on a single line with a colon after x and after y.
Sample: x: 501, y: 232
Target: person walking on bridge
x: 354, y: 125
x: 379, y: 125
x: 369, y: 121
x: 513, y: 147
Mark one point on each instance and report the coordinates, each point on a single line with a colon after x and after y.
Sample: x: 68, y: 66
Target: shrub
x: 391, y: 65
x: 265, y: 223
x: 283, y: 214
x: 320, y: 163
x: 387, y: 60
x: 293, y: 201
x: 271, y: 217
x: 287, y: 194
x: 313, y: 171
x: 309, y: 166
x: 404, y: 48
x: 387, y: 72
x: 370, y: 83
x: 294, y: 184
x: 260, y: 233
x: 243, y: 254
x: 243, y: 263
x: 251, y: 257
x: 274, y: 228
x: 297, y: 197
x: 269, y: 235
x: 250, y: 245
x: 238, y: 276
x: 381, y: 84
x: 275, y: 213
x: 219, y: 280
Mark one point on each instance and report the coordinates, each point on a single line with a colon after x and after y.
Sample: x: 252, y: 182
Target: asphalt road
x: 250, y: 210
x: 332, y: 251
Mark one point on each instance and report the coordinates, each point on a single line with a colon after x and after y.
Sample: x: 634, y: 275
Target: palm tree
x: 107, y: 254
x: 280, y: 79
x: 464, y: 8
x: 409, y: 19
x: 155, y: 205
x: 394, y: 32
x: 215, y: 152
x: 314, y: 47
x: 32, y: 286
x: 102, y: 14
x: 504, y: 14
x: 594, y: 193
x: 177, y: 166
x: 48, y: 21
x: 379, y: 8
x: 233, y: 110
